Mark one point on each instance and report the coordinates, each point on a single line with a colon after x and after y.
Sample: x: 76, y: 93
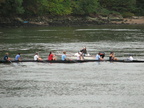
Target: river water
x: 78, y: 85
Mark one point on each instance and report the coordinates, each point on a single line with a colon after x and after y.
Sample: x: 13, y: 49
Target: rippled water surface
x: 78, y: 85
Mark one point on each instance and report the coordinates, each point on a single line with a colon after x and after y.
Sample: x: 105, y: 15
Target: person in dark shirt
x: 112, y: 56
x: 102, y: 54
x: 6, y: 58
x: 84, y: 51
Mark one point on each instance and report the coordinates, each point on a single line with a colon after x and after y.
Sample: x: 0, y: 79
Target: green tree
x: 140, y: 7
x: 11, y: 7
x: 70, y: 7
x: 85, y: 7
x: 19, y: 8
x: 31, y: 7
x: 1, y: 4
x: 59, y: 7
x: 119, y: 5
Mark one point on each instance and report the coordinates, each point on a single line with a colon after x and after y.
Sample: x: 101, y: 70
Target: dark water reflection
x: 123, y: 40
x: 86, y: 85
x: 72, y: 34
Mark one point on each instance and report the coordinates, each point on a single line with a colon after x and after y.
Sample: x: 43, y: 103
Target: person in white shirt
x: 37, y: 58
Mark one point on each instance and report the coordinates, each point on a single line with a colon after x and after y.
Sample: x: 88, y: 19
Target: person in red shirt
x: 51, y: 56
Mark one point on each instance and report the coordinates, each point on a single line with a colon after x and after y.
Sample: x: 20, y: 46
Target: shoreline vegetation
x: 69, y: 21
x: 70, y: 12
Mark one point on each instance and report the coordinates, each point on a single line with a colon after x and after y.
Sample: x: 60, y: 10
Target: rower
x: 63, y: 57
x: 112, y: 56
x: 18, y: 57
x: 37, y: 57
x: 99, y: 57
x: 6, y: 58
x: 51, y: 56
x: 102, y: 54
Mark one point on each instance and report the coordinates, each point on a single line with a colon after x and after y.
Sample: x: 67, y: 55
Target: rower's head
x: 36, y: 53
x: 6, y: 53
x: 64, y: 52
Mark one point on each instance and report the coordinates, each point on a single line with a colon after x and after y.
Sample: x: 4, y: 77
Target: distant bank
x: 68, y: 21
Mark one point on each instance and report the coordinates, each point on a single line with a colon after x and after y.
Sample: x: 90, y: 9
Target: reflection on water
x: 123, y: 40
x: 71, y: 34
x: 79, y: 85
x: 107, y: 30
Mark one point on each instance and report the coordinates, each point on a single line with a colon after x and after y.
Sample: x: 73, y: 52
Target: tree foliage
x: 31, y: 7
x: 84, y: 7
x: 11, y: 7
x: 119, y: 5
x: 70, y: 7
x: 59, y: 7
x: 140, y: 7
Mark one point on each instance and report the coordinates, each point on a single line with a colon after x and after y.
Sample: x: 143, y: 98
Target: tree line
x: 71, y: 7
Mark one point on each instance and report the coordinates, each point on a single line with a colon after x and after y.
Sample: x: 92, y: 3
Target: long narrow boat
x: 73, y: 61
x: 43, y: 61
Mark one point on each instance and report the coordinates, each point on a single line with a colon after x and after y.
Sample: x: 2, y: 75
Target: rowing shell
x: 85, y: 57
x: 73, y: 61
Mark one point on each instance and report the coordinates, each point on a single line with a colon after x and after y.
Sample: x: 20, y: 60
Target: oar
x: 11, y: 62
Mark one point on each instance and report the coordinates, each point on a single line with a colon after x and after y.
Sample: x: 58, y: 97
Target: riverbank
x: 68, y: 21
x: 133, y: 20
